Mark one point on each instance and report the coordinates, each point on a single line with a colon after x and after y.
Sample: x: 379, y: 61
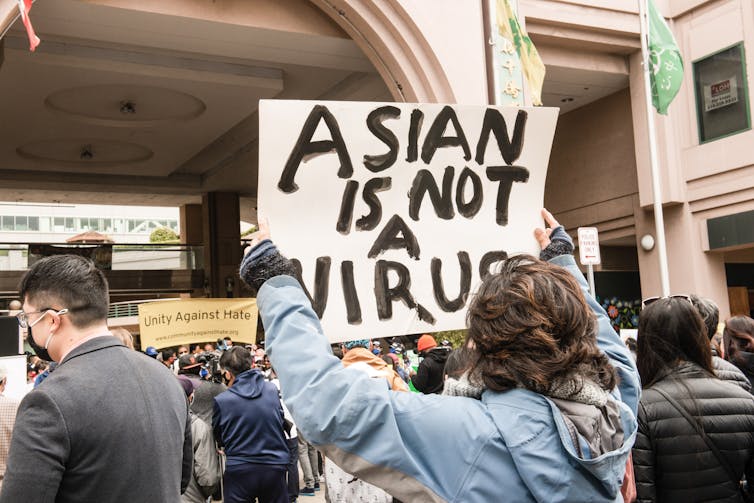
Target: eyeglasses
x: 650, y: 300
x: 23, y: 318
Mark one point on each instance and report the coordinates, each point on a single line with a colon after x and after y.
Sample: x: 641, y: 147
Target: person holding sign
x: 557, y: 417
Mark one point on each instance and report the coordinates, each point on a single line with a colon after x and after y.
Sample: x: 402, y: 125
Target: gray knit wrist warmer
x: 264, y: 263
x: 560, y: 244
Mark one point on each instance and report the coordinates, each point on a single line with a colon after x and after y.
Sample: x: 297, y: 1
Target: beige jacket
x: 362, y: 357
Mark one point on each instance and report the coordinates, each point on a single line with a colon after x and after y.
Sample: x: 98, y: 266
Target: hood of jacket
x: 248, y: 384
x: 364, y: 356
x: 596, y: 440
x: 374, y: 366
x: 439, y: 354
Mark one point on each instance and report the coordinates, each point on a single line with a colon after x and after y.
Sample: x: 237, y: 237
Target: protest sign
x: 193, y: 321
x: 394, y: 211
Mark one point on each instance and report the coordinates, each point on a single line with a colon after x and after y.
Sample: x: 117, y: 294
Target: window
x: 33, y: 223
x: 722, y: 103
x: 107, y: 225
x: 136, y: 226
x: 22, y: 223
x: 70, y: 224
x: 7, y: 223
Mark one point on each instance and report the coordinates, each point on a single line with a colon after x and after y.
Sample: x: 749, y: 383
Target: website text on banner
x: 393, y: 211
x: 194, y: 321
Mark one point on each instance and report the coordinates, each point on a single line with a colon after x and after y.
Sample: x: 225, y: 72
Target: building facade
x: 216, y: 59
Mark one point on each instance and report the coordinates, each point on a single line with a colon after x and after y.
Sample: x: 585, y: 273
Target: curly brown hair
x: 530, y: 326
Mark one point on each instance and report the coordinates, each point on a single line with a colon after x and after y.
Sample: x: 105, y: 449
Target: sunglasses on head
x: 650, y: 300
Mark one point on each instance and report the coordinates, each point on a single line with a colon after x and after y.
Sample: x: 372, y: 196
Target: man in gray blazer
x: 110, y: 424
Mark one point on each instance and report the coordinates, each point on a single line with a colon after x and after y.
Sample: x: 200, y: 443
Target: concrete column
x: 192, y: 227
x: 222, y: 243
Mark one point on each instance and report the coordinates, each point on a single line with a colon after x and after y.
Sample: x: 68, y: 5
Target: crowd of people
x: 541, y: 402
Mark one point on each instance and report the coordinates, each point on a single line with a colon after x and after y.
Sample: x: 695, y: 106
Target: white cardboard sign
x: 589, y: 246
x: 394, y: 211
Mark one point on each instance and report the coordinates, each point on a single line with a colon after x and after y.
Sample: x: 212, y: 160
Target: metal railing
x: 129, y: 308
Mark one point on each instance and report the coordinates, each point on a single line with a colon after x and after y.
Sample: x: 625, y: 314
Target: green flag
x: 665, y: 62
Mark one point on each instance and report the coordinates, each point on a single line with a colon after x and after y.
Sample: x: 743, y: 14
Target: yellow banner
x: 193, y: 321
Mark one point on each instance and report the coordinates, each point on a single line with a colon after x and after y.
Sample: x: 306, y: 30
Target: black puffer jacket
x: 430, y: 375
x: 671, y: 460
x: 726, y: 371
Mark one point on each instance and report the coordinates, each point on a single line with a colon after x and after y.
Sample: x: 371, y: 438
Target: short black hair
x: 236, y: 360
x: 68, y: 282
x: 167, y: 353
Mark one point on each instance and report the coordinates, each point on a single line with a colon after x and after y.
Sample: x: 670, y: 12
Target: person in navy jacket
x: 248, y: 425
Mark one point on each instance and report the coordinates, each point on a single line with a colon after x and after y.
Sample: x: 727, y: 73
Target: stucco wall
x: 457, y: 38
x: 592, y: 155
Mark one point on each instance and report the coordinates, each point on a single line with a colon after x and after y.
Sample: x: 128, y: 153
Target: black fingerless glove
x: 560, y: 244
x: 263, y: 262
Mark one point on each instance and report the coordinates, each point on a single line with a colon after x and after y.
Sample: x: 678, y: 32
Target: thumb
x: 542, y: 237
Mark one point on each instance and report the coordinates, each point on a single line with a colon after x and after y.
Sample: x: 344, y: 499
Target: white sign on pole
x: 394, y: 211
x: 589, y: 246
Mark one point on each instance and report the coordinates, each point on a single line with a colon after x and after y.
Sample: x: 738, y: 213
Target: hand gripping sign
x: 394, y: 212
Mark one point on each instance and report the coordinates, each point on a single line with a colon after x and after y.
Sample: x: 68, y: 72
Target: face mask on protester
x: 39, y: 350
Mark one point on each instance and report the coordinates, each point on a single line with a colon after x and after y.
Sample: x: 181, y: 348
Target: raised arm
x: 557, y: 247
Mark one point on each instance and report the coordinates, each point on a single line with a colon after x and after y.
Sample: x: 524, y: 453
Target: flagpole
x: 653, y: 162
x: 505, y: 66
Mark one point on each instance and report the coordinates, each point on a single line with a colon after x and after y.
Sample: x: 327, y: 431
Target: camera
x: 210, y: 361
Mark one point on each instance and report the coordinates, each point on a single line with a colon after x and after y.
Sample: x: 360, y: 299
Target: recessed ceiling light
x: 127, y: 107
x: 566, y: 100
x: 86, y: 153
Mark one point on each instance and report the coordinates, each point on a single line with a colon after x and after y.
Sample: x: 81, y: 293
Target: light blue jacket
x: 511, y: 446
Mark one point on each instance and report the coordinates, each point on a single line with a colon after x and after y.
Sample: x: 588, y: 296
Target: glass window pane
x: 70, y: 224
x: 107, y: 224
x: 44, y: 224
x: 7, y: 223
x: 722, y: 103
x: 33, y: 223
x: 22, y: 223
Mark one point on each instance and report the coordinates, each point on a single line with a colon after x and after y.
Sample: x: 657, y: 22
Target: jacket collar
x: 102, y: 342
x: 686, y: 369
